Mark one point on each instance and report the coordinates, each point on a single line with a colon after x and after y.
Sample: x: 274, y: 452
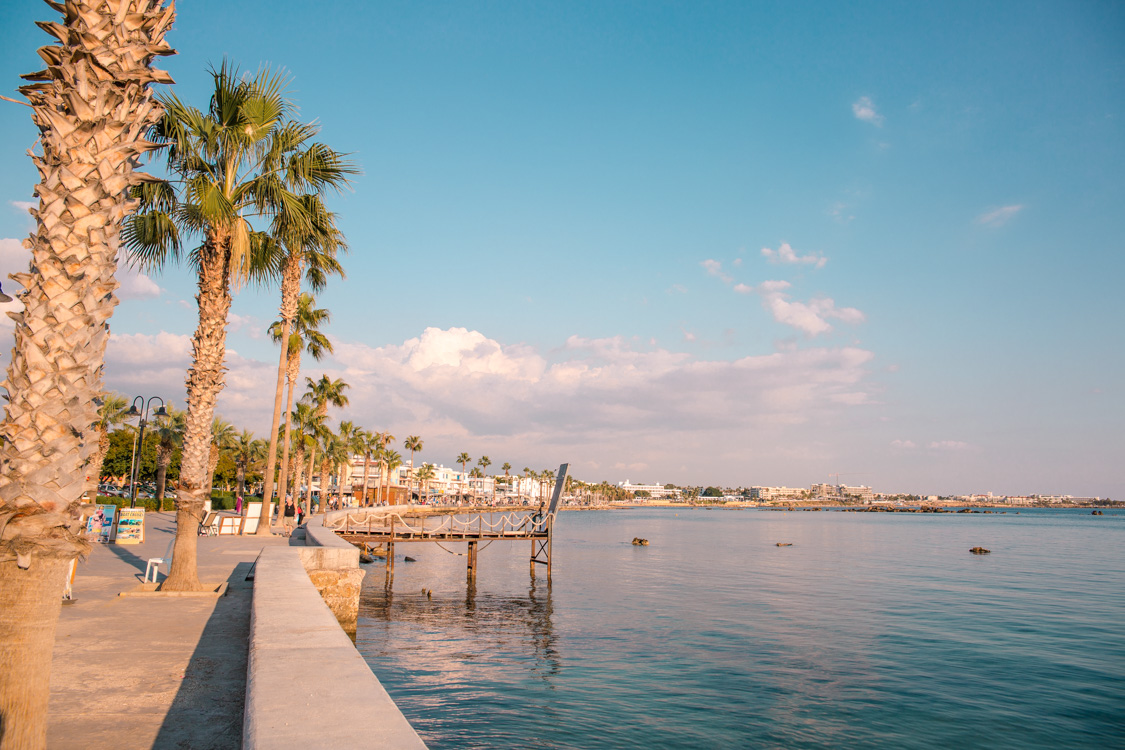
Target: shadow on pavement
x: 206, y: 713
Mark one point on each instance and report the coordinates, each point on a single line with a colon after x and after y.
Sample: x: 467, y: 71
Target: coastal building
x: 775, y: 493
x: 653, y: 490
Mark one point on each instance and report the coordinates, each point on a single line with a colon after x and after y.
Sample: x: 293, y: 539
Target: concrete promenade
x: 164, y: 672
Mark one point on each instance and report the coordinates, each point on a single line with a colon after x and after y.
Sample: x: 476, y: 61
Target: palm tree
x: 370, y: 445
x: 353, y: 440
x: 111, y: 413
x: 222, y: 438
x: 507, y: 468
x: 169, y: 435
x: 247, y: 450
x: 321, y: 394
x: 527, y: 475
x: 425, y: 474
x: 307, y: 425
x: 243, y: 158
x: 463, y: 459
x: 385, y: 440
x: 392, y: 460
x: 90, y: 138
x: 317, y: 252
x: 412, y: 443
x: 305, y: 334
x: 484, y: 462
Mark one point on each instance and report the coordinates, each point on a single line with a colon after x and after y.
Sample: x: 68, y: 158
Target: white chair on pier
x: 154, y: 563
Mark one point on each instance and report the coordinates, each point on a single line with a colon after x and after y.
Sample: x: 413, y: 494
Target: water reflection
x: 456, y: 638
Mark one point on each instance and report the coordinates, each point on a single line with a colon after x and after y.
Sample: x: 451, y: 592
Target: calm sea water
x: 872, y: 630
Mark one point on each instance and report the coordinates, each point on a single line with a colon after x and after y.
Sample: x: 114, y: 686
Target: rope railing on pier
x: 412, y: 521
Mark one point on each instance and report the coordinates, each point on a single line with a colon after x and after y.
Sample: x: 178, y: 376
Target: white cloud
x: 949, y: 445
x: 809, y: 317
x: 1000, y: 216
x: 786, y: 254
x: 715, y: 268
x: 864, y: 109
x: 905, y: 444
x: 24, y: 206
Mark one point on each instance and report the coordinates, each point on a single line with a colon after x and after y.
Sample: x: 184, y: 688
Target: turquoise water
x: 872, y: 630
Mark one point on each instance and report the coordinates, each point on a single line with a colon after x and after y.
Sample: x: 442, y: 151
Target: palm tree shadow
x: 207, y: 711
x: 127, y: 556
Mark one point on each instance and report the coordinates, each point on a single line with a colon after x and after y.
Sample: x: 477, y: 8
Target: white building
x: 774, y: 493
x: 653, y: 490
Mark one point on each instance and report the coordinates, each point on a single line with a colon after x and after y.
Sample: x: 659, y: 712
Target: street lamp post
x: 143, y: 414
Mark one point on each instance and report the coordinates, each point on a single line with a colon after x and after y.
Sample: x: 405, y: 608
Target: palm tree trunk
x: 205, y: 381
x: 308, y: 493
x: 163, y: 460
x: 294, y: 367
x: 30, y: 601
x: 91, y: 132
x: 98, y: 459
x: 366, y: 474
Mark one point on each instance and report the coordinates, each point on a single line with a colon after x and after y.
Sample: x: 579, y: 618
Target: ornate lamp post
x: 143, y: 414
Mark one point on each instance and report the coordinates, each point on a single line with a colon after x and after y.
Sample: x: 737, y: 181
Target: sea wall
x: 333, y: 567
x: 306, y: 685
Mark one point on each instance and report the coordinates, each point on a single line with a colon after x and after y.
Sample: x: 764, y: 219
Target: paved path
x: 133, y: 672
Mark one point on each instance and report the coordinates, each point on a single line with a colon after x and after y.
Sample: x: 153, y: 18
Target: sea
x: 872, y: 630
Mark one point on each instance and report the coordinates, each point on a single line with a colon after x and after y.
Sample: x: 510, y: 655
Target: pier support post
x: 390, y: 558
x: 472, y: 571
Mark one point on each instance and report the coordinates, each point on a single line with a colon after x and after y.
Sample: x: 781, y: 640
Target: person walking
x: 290, y: 515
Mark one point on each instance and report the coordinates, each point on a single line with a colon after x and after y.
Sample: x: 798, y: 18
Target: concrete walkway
x: 167, y: 672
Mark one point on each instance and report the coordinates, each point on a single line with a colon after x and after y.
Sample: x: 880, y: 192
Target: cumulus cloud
x: 460, y: 380
x: 1000, y: 216
x: 905, y: 444
x: 786, y: 254
x: 864, y: 109
x: 715, y: 268
x: 24, y: 206
x: 810, y: 317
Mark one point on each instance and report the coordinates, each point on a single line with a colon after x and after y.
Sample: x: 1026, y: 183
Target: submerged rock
x: 785, y: 544
x: 408, y: 559
x: 638, y: 542
x: 980, y: 551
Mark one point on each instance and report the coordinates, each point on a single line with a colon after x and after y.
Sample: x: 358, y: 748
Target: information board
x: 99, y: 526
x: 130, y: 525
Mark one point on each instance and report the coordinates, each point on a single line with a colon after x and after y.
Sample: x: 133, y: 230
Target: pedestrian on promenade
x: 290, y: 517
x: 238, y: 505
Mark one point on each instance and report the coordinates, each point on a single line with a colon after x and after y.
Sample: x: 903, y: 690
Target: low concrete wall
x: 333, y: 567
x: 306, y: 685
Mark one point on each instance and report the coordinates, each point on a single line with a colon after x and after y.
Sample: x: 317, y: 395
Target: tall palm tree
x: 392, y: 460
x: 412, y: 443
x: 507, y: 469
x: 304, y: 335
x: 351, y: 442
x: 91, y: 133
x: 247, y: 450
x: 370, y: 445
x: 242, y: 159
x: 223, y: 436
x: 306, y: 425
x: 321, y: 394
x: 484, y: 462
x: 315, y: 251
x: 169, y: 435
x: 111, y: 414
x: 425, y: 476
x: 385, y: 441
x: 463, y: 459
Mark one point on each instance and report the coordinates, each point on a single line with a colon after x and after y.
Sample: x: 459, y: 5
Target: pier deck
x: 390, y: 525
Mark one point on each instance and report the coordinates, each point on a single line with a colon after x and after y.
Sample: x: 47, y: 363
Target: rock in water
x: 785, y: 544
x: 638, y: 542
x: 408, y: 559
x: 980, y: 551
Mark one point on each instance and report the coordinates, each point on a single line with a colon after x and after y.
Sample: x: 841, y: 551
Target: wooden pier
x: 391, y: 525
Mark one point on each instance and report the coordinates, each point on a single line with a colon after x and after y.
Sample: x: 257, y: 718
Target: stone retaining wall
x: 333, y: 567
x: 306, y: 685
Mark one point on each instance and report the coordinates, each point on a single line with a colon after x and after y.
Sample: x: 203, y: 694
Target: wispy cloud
x: 904, y: 444
x: 1000, y: 216
x: 949, y: 445
x: 715, y: 268
x: 811, y: 318
x: 864, y: 109
x: 24, y: 206
x: 786, y: 254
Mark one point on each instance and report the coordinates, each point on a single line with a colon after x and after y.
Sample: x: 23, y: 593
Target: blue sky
x: 736, y: 243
